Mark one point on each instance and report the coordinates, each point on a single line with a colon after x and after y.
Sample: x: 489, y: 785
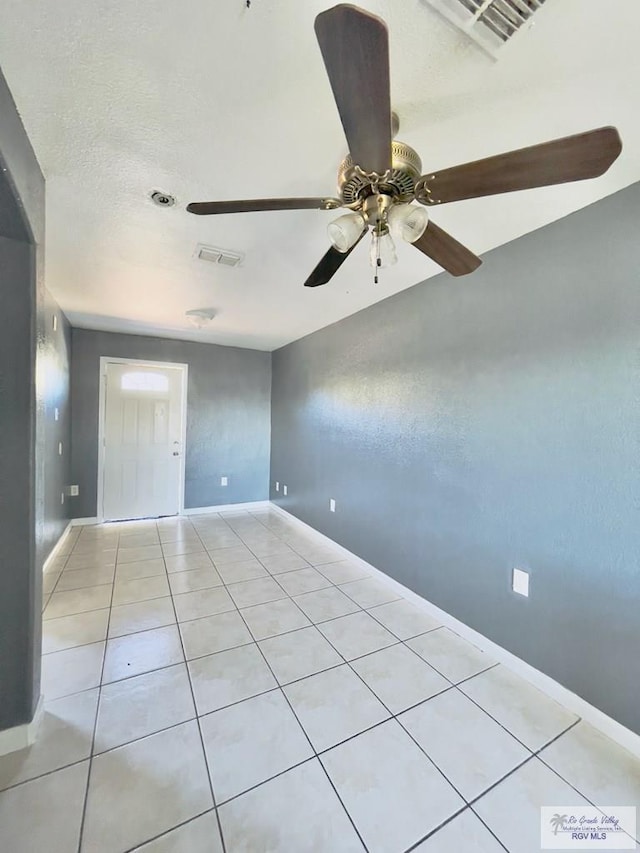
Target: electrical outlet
x: 56, y: 414
x: 284, y: 490
x: 59, y: 448
x: 332, y: 505
x: 224, y: 481
x: 520, y: 582
x: 277, y: 486
x: 74, y: 491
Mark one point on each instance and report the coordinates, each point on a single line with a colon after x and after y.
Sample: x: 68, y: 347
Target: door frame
x: 139, y: 362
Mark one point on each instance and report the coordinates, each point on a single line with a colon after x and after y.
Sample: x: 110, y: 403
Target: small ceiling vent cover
x: 222, y: 257
x: 490, y: 23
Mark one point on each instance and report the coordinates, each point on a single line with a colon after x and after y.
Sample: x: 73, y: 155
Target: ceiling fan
x: 380, y: 177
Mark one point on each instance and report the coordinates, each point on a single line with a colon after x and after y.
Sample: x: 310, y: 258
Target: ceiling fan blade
x: 205, y: 208
x: 446, y: 251
x: 355, y: 50
x: 572, y: 158
x: 329, y: 265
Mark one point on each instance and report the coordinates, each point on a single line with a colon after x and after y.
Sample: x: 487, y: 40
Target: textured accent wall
x: 469, y: 426
x: 228, y: 421
x: 21, y: 236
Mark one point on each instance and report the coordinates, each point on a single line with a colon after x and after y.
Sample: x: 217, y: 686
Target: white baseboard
x: 20, y: 737
x: 203, y: 510
x: 599, y: 720
x: 79, y: 522
x: 57, y: 547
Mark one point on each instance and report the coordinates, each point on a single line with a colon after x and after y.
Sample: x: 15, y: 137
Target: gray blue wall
x: 469, y: 426
x: 228, y: 421
x: 21, y: 228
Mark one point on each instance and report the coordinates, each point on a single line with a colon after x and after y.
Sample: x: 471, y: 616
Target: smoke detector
x: 200, y: 317
x: 214, y: 255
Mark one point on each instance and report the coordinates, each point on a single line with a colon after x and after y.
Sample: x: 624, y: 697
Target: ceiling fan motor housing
x: 406, y: 168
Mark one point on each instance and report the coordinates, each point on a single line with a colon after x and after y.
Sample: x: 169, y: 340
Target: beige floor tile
x: 77, y: 630
x: 394, y: 794
x: 275, y: 617
x: 511, y: 810
x: 342, y: 572
x: 142, y: 652
x: 334, y: 705
x: 166, y: 784
x: 404, y: 619
x: 454, y: 657
x: 44, y: 815
x: 91, y: 560
x: 139, y: 569
x: 139, y: 540
x: 260, y: 591
x: 225, y: 556
x: 140, y: 616
x: 140, y: 589
x: 71, y: 670
x: 470, y: 748
x: 82, y: 578
x: 78, y: 601
x: 528, y: 714
x: 142, y: 705
x: 245, y: 571
x: 200, y: 835
x: 230, y: 676
x: 64, y: 737
x: 297, y: 811
x: 186, y: 545
x: 194, y: 580
x: 326, y: 604
x: 301, y: 581
x: 187, y: 562
x: 214, y: 634
x: 280, y: 563
x: 145, y: 552
x: 357, y: 634
x: 465, y: 833
x: 204, y: 602
x: 250, y: 742
x: 298, y: 654
x: 399, y: 678
x: 369, y: 592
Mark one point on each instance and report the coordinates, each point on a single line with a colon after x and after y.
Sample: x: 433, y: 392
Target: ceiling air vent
x: 490, y: 23
x: 222, y: 257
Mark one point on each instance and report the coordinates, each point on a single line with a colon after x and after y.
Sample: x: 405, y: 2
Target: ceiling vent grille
x: 222, y: 257
x: 490, y: 23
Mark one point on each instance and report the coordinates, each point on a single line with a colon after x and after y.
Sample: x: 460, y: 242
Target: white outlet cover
x: 284, y: 490
x: 74, y: 491
x: 332, y: 505
x: 520, y: 582
x: 224, y: 481
x: 277, y: 486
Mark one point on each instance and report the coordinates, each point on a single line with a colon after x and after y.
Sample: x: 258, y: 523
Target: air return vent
x: 222, y: 257
x: 490, y: 23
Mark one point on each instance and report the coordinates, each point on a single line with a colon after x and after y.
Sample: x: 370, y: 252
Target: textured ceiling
x: 211, y: 100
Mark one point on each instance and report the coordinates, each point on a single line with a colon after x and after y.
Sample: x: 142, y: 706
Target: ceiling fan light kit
x: 381, y: 177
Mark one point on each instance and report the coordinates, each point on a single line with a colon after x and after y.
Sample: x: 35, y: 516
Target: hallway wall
x: 228, y: 416
x: 469, y: 426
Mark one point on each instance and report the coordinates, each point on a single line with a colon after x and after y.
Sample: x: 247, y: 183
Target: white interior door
x: 143, y: 428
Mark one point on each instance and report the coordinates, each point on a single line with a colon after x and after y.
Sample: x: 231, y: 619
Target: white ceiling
x: 210, y: 100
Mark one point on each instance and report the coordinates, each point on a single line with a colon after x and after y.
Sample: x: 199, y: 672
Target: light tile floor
x: 227, y: 683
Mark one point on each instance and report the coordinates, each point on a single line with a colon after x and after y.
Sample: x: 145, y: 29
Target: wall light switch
x: 55, y: 322
x: 277, y: 486
x: 520, y: 582
x: 284, y: 490
x: 74, y: 491
x: 59, y: 448
x: 62, y: 497
x: 224, y: 481
x: 56, y: 413
x: 332, y: 505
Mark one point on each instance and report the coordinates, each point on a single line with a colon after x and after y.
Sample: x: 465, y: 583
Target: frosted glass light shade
x: 345, y: 231
x: 408, y: 221
x: 383, y: 251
